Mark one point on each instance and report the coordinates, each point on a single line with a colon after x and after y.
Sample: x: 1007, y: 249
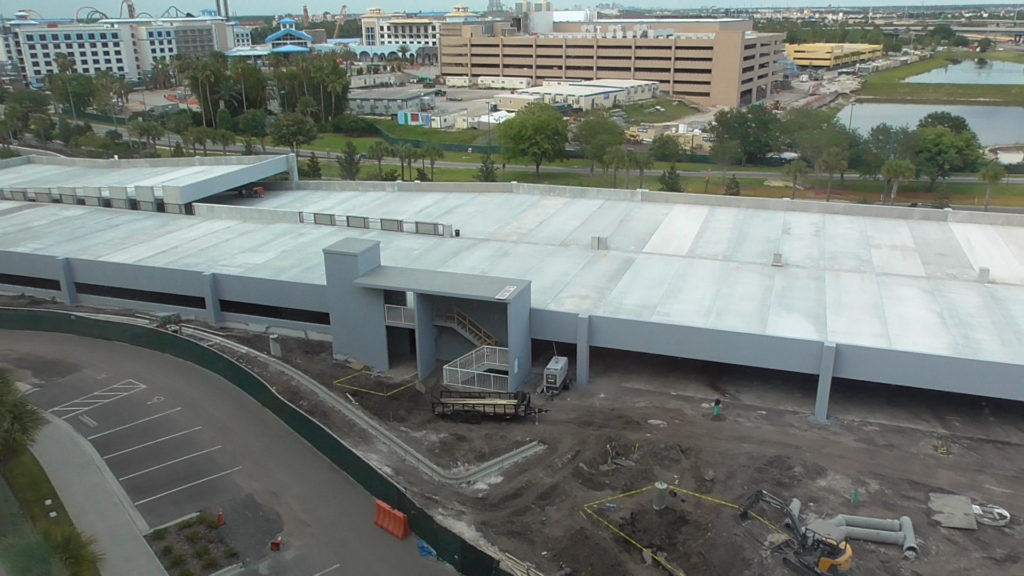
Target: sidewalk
x: 95, y: 501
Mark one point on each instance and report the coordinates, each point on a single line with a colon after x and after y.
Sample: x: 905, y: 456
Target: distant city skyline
x: 68, y: 8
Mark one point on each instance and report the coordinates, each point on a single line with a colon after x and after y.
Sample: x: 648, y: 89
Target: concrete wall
x: 246, y: 213
x: 519, y: 341
x: 357, y: 313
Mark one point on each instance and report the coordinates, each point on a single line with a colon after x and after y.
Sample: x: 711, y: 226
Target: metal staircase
x: 461, y: 322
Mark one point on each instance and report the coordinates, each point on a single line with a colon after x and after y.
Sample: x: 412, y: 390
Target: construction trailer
x: 473, y: 407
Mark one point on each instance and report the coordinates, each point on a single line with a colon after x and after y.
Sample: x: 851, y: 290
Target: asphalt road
x: 180, y: 439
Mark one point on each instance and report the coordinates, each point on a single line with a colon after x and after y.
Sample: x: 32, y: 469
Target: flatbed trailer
x: 473, y: 407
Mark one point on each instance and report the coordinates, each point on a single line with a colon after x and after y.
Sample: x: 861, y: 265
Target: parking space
x: 164, y: 458
x: 179, y: 439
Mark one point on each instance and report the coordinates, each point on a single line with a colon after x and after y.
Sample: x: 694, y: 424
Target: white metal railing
x: 403, y: 315
x: 470, y: 370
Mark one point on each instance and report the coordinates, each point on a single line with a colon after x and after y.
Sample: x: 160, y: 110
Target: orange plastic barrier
x: 393, y: 521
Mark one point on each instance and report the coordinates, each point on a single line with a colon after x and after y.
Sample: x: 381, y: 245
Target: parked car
x: 454, y: 98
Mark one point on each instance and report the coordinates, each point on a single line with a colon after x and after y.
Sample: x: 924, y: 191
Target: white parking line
x: 175, y: 461
x: 150, y: 443
x: 332, y: 568
x: 133, y: 423
x: 89, y: 401
x: 189, y: 485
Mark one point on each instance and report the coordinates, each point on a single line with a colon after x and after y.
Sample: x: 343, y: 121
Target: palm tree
x: 992, y: 173
x: 897, y: 171
x: 615, y: 158
x: 402, y: 153
x: 337, y: 86
x: 433, y: 152
x: 795, y: 170
x: 832, y: 162
x: 641, y: 161
x: 19, y: 420
x: 378, y: 151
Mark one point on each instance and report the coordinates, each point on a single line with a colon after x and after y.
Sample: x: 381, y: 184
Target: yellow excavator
x: 810, y: 553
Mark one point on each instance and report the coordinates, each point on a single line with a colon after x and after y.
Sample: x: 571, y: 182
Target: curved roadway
x: 180, y: 439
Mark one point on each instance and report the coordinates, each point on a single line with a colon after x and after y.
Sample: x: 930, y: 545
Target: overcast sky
x: 67, y: 8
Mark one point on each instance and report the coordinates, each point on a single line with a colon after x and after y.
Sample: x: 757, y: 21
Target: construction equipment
x: 472, y: 407
x: 556, y: 376
x: 342, y: 16
x: 813, y: 554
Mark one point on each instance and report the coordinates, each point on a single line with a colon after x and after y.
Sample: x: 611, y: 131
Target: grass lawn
x: 639, y: 112
x: 888, y: 86
x: 32, y: 488
x: 460, y: 137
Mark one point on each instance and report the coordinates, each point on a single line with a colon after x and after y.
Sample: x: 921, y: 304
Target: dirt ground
x: 653, y: 414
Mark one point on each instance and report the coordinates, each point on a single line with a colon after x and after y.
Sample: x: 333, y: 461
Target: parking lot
x: 179, y: 439
x: 167, y: 461
x: 473, y: 100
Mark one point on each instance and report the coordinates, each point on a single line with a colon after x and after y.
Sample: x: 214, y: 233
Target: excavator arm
x: 814, y: 555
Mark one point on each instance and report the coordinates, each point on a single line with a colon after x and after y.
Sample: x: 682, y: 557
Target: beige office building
x: 712, y: 62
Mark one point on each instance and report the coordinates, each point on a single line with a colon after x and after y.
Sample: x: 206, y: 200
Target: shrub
x: 203, y: 551
x: 166, y: 550
x: 230, y: 552
x: 159, y: 534
x: 193, y: 536
x: 211, y: 563
x: 176, y: 560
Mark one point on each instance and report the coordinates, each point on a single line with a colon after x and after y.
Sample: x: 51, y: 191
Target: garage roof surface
x: 883, y: 282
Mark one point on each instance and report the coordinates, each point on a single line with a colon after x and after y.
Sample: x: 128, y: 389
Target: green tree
x: 597, y: 134
x: 669, y: 179
x: 957, y: 124
x: 641, y: 161
x: 897, y: 172
x: 224, y: 120
x: 225, y: 138
x: 292, y: 130
x: 725, y: 153
x: 538, y: 133
x: 432, y: 153
x: 201, y: 136
x: 941, y: 152
x: 991, y: 173
x: 349, y: 161
x: 253, y: 124
x: 19, y: 420
x: 42, y: 128
x: 732, y: 187
x: 377, y: 152
x: 312, y: 168
x: 755, y: 130
x: 985, y: 44
x: 795, y: 170
x: 616, y: 159
x: 487, y: 172
x: 665, y: 148
x: 831, y: 162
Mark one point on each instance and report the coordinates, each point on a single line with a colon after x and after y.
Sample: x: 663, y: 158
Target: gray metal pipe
x: 865, y: 522
x: 879, y: 536
x: 909, y: 539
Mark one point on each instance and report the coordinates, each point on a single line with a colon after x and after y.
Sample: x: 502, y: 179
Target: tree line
x: 940, y: 145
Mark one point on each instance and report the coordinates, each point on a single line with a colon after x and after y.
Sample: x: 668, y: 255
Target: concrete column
x: 520, y: 349
x: 212, y: 298
x: 583, y: 350
x: 426, y: 336
x: 828, y: 365
x: 357, y: 314
x: 67, y: 281
x: 293, y: 168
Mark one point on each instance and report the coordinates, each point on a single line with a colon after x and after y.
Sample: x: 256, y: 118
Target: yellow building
x: 832, y: 55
